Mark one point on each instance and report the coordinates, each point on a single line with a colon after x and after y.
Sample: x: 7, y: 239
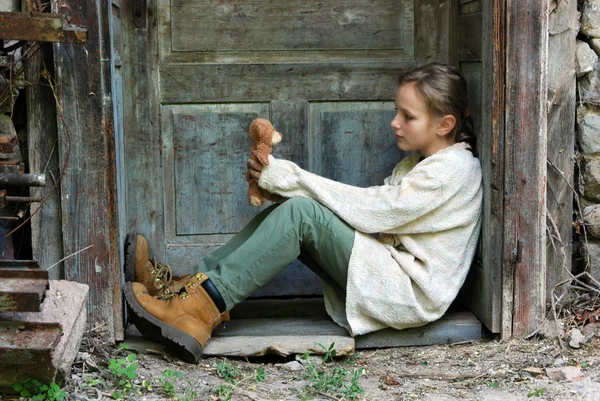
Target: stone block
x: 65, y: 304
x: 590, y: 18
x: 565, y: 16
x: 591, y: 219
x: 595, y: 44
x: 588, y: 133
x: 589, y: 86
x: 585, y: 58
x: 592, y: 252
x: 589, y: 177
x: 10, y: 5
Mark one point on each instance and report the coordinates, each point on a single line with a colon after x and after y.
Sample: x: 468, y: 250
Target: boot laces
x: 163, y: 276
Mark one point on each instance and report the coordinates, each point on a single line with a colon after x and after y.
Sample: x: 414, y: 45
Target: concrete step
x: 63, y: 309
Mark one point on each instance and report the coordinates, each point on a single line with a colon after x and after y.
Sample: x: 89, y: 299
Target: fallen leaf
x: 389, y: 381
x: 569, y: 373
x: 533, y: 370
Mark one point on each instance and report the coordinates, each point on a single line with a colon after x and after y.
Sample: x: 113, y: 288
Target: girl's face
x: 414, y: 126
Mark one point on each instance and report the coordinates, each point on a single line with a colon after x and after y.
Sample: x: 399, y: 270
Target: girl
x: 428, y: 215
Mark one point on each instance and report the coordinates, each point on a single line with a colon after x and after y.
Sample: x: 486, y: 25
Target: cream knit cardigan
x: 432, y: 209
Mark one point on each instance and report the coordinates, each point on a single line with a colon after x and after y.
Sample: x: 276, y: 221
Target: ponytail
x: 467, y: 134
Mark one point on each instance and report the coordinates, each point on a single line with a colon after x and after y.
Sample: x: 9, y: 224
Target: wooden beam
x: 89, y: 188
x: 525, y: 160
x: 40, y: 27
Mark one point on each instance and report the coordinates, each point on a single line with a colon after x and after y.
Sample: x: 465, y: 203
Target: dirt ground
x: 483, y: 370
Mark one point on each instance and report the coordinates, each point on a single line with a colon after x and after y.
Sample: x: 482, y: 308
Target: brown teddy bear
x: 263, y: 137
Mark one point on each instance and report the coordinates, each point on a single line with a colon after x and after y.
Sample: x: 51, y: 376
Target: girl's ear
x: 446, y: 124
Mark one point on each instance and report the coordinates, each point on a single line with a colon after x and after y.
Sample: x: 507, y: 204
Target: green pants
x: 298, y: 228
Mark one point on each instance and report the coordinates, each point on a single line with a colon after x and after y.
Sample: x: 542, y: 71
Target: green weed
x: 330, y: 352
x: 228, y: 372
x: 39, y: 391
x: 260, y: 375
x: 336, y: 382
x: 166, y: 385
x: 124, y: 371
x: 538, y: 392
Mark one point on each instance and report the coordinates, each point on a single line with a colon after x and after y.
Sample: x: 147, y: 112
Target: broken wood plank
x: 22, y: 290
x: 39, y: 27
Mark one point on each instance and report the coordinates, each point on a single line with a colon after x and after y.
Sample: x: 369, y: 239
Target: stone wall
x: 588, y: 132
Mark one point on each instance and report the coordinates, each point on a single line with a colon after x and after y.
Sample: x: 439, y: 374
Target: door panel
x: 210, y: 153
x: 287, y: 25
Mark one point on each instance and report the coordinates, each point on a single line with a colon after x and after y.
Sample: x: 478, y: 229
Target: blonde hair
x: 445, y: 91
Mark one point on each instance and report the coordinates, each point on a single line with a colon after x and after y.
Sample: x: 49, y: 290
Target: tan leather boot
x: 140, y: 268
x: 184, y: 322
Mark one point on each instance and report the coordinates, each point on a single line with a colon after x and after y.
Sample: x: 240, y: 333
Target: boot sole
x: 179, y: 342
x: 130, y: 246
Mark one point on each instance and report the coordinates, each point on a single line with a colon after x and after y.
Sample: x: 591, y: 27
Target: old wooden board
x: 86, y: 136
x: 40, y: 27
x: 563, y: 28
x: 525, y: 156
x: 142, y: 140
x: 434, y: 31
x: 42, y: 138
x: 300, y: 334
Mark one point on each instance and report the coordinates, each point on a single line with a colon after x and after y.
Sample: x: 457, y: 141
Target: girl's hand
x: 254, y: 168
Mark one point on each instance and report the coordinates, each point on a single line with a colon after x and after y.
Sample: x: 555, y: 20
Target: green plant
x: 538, y: 392
x: 494, y: 384
x: 166, y: 385
x: 337, y: 381
x: 227, y: 372
x: 124, y: 370
x: 330, y: 352
x: 39, y: 391
x: 260, y: 375
x: 353, y: 390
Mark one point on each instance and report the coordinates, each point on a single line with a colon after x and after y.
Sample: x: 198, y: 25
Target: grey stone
x: 65, y: 303
x: 592, y: 253
x: 562, y: 361
x: 292, y: 366
x: 7, y: 128
x: 589, y: 86
x: 564, y: 16
x: 550, y: 330
x: 588, y: 134
x: 591, y: 219
x: 589, y: 177
x: 585, y: 58
x: 590, y: 18
x: 595, y: 44
x: 575, y: 338
x: 10, y: 5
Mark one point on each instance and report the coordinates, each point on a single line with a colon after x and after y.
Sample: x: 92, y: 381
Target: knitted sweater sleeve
x: 386, y: 208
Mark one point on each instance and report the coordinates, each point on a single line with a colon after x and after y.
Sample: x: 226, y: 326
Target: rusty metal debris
x: 22, y: 289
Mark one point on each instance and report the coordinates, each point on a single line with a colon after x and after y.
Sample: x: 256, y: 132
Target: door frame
x: 519, y: 125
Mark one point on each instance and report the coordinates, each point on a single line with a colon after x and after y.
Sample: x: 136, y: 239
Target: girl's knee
x: 299, y: 208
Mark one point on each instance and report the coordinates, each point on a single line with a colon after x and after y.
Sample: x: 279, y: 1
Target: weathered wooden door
x: 325, y: 74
